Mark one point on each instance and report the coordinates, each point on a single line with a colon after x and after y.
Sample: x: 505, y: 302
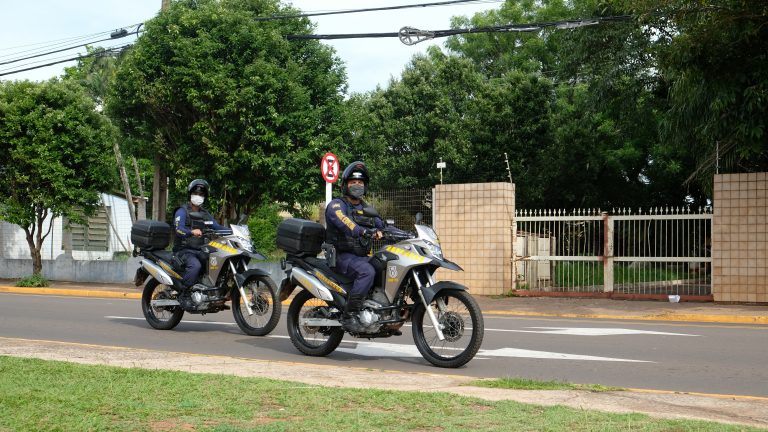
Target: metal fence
x: 402, y: 205
x: 658, y: 251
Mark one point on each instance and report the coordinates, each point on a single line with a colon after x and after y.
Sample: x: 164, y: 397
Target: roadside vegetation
x: 591, y: 274
x: 529, y: 384
x: 34, y: 281
x: 49, y: 395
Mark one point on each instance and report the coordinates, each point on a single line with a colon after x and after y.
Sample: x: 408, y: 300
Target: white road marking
x: 381, y: 349
x: 586, y: 331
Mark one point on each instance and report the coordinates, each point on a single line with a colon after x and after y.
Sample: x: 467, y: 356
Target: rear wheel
x: 314, y: 341
x: 261, y: 295
x: 462, y: 324
x: 159, y: 317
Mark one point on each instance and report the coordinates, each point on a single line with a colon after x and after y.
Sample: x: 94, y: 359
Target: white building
x: 107, y: 232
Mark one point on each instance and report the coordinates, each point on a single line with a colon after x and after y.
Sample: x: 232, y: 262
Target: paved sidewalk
x: 646, y: 310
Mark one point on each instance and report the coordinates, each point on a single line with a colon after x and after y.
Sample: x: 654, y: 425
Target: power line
x: 412, y: 36
x: 94, y: 54
x: 386, y: 8
x: 118, y: 36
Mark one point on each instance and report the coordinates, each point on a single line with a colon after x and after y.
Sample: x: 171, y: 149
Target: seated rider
x: 188, y: 241
x: 350, y: 232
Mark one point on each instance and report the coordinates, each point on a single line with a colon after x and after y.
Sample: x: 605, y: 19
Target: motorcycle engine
x: 367, y: 316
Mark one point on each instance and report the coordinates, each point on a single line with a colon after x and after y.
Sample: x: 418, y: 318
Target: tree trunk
x: 141, y: 208
x: 34, y: 252
x: 124, y: 179
x: 159, y: 191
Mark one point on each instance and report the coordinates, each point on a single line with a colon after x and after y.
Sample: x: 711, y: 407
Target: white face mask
x: 197, y: 200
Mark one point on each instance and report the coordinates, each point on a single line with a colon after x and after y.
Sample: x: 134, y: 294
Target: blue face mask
x: 356, y: 191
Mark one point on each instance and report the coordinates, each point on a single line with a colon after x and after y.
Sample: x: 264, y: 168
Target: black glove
x: 369, y: 232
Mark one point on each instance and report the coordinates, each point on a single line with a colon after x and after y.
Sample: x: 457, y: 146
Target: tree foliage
x: 713, y: 55
x: 623, y: 113
x: 221, y: 95
x: 53, y: 162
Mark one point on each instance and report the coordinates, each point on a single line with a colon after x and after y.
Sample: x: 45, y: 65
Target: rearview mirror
x: 419, y: 217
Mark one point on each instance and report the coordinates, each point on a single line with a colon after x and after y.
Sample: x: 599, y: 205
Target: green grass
x: 591, y: 273
x: 34, y: 281
x: 47, y: 395
x: 529, y: 384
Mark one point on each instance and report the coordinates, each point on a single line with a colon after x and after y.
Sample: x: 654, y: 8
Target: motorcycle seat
x: 164, y: 255
x: 322, y: 264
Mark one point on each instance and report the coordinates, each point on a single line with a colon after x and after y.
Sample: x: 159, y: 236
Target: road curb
x: 79, y: 293
x: 703, y: 318
x: 70, y: 292
x: 724, y: 319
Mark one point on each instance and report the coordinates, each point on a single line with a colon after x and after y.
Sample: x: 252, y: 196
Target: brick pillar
x: 474, y: 224
x: 740, y: 238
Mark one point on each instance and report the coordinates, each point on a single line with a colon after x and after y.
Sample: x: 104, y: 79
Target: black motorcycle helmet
x: 199, y: 186
x: 355, y: 170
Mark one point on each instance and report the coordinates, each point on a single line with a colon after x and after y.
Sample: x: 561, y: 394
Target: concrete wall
x: 474, y: 223
x: 67, y: 269
x: 740, y: 238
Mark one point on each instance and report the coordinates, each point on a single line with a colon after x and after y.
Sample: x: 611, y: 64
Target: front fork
x: 438, y: 327
x: 242, y: 291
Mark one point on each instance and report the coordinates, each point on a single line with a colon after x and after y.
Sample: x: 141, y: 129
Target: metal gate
x: 655, y: 252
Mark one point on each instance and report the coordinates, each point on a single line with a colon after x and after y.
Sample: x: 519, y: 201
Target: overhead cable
x: 117, y: 34
x: 378, y: 9
x: 93, y: 54
x: 412, y: 36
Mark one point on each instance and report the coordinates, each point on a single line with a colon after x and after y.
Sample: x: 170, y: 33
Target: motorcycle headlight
x: 435, y: 249
x: 242, y: 244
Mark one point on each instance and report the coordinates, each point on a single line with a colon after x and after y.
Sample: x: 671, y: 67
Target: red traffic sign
x: 329, y: 166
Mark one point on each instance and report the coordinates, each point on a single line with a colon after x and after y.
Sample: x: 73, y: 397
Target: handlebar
x: 393, y: 234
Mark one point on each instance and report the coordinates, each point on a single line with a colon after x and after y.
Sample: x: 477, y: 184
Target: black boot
x: 350, y: 320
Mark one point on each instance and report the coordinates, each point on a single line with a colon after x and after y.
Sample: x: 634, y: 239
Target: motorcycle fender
x: 450, y: 265
x: 242, y: 277
x: 286, y: 289
x: 432, y: 290
x: 141, y: 276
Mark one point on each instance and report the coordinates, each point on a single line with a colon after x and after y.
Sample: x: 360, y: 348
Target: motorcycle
x: 225, y: 276
x: 447, y: 324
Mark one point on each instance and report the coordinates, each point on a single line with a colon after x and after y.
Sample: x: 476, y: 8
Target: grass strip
x: 60, y: 396
x: 529, y: 384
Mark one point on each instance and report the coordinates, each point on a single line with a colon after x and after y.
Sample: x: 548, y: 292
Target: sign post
x: 329, y: 167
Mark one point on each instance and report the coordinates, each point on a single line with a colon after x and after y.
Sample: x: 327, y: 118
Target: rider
x: 188, y: 242
x: 349, y: 231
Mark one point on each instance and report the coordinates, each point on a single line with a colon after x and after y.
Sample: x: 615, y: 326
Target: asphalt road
x: 686, y: 357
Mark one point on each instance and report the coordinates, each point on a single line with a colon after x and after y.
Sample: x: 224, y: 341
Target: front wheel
x: 462, y: 324
x: 159, y: 317
x: 261, y: 295
x: 314, y: 341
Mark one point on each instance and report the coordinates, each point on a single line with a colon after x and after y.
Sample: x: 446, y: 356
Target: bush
x: 263, y: 226
x: 34, y: 281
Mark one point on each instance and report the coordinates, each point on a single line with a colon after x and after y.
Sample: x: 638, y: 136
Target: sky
x: 26, y: 26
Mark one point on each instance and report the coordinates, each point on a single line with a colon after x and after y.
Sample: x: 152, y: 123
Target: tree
x: 712, y: 54
x: 221, y: 95
x: 419, y: 119
x: 54, y: 143
x: 96, y: 73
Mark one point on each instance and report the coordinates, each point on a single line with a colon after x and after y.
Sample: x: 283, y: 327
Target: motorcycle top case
x: 150, y: 234
x: 300, y: 236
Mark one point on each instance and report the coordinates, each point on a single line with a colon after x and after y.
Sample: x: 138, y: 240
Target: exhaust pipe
x: 311, y: 284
